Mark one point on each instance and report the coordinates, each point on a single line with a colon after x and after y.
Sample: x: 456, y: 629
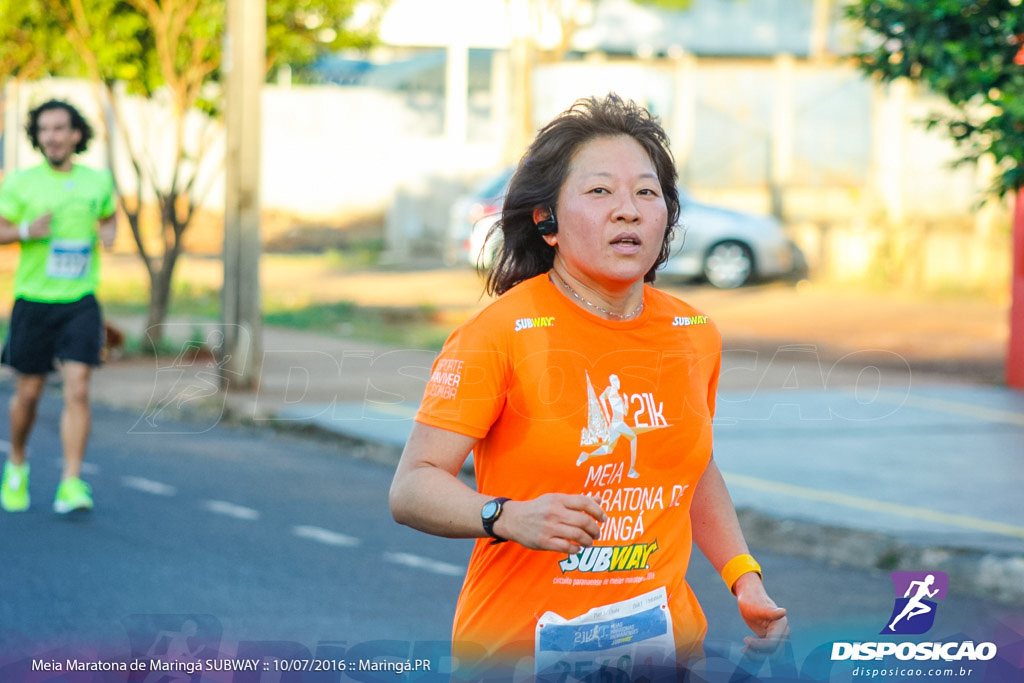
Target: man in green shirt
x: 60, y: 212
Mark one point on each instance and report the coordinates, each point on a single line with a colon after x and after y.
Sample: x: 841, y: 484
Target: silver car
x: 471, y: 217
x: 727, y: 248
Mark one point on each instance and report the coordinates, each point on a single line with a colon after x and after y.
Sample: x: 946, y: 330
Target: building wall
x: 845, y: 162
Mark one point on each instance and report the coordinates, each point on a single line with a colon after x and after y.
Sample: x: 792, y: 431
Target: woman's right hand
x: 555, y: 521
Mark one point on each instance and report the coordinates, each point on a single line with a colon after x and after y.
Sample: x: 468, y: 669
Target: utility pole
x: 244, y: 73
x: 522, y: 55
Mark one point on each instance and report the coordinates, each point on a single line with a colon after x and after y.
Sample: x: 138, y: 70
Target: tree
x: 20, y: 59
x: 168, y: 52
x: 972, y: 53
x: 23, y: 53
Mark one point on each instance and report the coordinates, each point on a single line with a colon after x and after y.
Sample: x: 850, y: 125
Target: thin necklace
x: 632, y: 314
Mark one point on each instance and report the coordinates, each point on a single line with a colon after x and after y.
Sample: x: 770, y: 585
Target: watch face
x: 490, y: 510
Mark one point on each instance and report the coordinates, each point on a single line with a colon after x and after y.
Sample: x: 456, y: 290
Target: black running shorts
x: 42, y: 332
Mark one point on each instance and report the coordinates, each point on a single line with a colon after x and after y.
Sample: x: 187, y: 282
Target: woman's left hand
x: 766, y: 619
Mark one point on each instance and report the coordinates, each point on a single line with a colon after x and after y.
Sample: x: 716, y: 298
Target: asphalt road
x: 238, y: 541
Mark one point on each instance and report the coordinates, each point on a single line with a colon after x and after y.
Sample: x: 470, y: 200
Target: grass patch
x: 408, y: 326
x: 125, y: 297
x: 357, y: 255
x: 312, y: 317
x: 166, y: 347
x: 411, y: 326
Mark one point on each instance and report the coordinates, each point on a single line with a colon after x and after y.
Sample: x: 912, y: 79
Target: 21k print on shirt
x: 606, y: 427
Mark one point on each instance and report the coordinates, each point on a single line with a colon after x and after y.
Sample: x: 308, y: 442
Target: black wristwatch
x: 489, y: 515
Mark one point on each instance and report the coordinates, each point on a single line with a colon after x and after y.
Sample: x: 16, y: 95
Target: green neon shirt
x: 65, y: 266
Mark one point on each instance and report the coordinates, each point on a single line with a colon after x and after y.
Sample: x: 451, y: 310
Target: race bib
x: 69, y: 259
x: 622, y: 641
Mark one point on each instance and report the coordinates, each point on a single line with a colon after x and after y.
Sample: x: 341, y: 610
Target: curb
x: 993, y: 576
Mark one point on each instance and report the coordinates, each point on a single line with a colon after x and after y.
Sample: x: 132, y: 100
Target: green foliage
x: 300, y: 31
x: 149, y: 44
x: 969, y: 51
x: 31, y: 41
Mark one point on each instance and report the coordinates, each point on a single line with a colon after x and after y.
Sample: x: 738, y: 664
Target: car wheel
x: 728, y: 264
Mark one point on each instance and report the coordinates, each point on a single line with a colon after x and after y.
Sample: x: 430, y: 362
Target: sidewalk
x: 860, y: 461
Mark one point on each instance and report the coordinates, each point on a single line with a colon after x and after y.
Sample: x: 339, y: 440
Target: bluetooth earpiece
x: 547, y: 225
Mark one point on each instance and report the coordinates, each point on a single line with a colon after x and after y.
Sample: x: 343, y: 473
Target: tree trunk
x: 1015, y: 355
x: 160, y: 298
x: 159, y: 303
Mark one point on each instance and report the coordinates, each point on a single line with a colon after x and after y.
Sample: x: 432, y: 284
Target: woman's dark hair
x: 544, y: 168
x: 78, y: 123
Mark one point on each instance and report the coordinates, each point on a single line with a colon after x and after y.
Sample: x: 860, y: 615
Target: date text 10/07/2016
x: 397, y: 666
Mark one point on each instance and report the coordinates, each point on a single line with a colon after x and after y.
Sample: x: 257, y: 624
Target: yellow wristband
x: 737, y: 567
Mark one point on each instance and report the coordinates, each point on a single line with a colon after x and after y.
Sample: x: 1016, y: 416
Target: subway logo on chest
x: 686, y: 321
x: 531, y: 323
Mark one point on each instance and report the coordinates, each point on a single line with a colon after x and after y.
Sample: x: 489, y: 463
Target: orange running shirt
x: 559, y: 399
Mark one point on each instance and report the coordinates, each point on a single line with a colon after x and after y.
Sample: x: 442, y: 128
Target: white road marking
x: 425, y: 563
x: 149, y: 486
x: 953, y: 407
x: 872, y: 505
x: 231, y: 510
x: 315, y: 533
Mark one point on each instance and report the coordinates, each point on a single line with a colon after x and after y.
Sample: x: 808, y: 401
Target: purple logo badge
x: 916, y: 592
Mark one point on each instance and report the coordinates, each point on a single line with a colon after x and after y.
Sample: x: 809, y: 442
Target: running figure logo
x: 606, y: 421
x: 914, y: 613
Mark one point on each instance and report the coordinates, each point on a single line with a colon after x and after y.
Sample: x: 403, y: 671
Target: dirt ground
x: 964, y: 337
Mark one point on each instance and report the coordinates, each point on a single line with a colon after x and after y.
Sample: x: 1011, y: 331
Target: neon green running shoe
x: 72, y: 495
x: 14, y: 489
